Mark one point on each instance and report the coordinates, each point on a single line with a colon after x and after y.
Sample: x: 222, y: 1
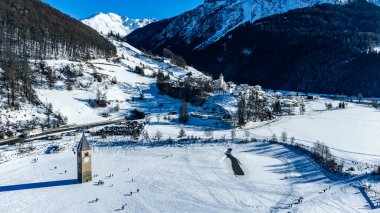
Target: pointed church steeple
x: 84, y: 160
x: 83, y: 144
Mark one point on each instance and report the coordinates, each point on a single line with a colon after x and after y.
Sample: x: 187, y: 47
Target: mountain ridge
x: 313, y: 49
x: 106, y: 23
x: 212, y: 20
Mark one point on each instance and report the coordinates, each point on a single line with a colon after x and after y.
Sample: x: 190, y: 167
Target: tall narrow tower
x: 84, y: 160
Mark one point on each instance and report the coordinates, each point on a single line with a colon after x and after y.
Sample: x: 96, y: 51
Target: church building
x: 220, y: 84
x: 84, y: 160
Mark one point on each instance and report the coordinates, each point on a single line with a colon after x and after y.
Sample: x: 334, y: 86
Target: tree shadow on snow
x: 152, y: 104
x: 87, y: 102
x: 293, y: 161
x: 39, y: 185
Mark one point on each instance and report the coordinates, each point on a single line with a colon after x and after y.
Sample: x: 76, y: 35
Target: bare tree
x: 273, y: 139
x: 302, y: 107
x: 233, y: 135
x: 209, y: 133
x: 360, y: 97
x: 292, y: 140
x: 146, y: 137
x: 247, y: 134
x: 101, y: 98
x: 49, y: 112
x: 284, y: 136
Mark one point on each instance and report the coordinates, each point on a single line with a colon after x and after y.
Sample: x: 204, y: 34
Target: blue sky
x: 160, y: 9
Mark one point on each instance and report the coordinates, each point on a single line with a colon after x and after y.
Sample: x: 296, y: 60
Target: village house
x: 231, y: 86
x: 220, y: 85
x: 242, y: 88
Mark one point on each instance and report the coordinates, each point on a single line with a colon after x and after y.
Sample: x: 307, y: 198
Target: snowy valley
x: 98, y: 125
x: 191, y: 171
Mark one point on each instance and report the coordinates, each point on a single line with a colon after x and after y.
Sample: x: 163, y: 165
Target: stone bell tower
x: 84, y: 160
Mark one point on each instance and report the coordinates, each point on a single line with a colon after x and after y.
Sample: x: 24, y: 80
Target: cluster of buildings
x: 128, y: 128
x: 221, y: 87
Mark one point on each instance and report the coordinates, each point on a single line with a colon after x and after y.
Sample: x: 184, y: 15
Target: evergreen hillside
x: 37, y: 30
x: 30, y: 29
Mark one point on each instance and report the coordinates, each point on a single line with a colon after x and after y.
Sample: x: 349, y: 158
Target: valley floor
x: 194, y: 177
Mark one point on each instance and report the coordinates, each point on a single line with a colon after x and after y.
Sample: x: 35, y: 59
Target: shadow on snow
x: 293, y: 162
x: 39, y: 185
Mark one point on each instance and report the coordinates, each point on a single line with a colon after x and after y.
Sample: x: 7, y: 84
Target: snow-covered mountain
x: 260, y: 52
x: 213, y: 19
x: 107, y: 23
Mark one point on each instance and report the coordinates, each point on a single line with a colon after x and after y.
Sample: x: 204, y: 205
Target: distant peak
x: 106, y: 23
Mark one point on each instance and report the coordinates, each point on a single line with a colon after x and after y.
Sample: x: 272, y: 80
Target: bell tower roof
x: 83, y: 144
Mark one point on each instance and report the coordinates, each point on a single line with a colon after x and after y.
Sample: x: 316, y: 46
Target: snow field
x: 193, y: 177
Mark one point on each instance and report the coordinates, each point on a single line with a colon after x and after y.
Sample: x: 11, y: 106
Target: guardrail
x: 14, y: 140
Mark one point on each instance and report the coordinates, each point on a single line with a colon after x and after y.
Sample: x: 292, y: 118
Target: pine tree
x: 104, y: 134
x: 329, y: 106
x: 183, y: 113
x: 170, y: 140
x: 277, y: 109
x: 182, y: 133
x: 51, y: 79
x: 241, y: 111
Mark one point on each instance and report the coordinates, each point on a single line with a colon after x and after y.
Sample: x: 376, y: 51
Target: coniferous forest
x: 31, y: 30
x: 34, y: 29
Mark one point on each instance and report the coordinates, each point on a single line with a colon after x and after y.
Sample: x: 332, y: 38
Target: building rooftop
x: 83, y: 144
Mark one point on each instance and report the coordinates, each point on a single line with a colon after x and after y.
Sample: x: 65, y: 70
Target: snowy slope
x: 107, y: 23
x: 75, y: 104
x: 170, y: 179
x: 354, y: 129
